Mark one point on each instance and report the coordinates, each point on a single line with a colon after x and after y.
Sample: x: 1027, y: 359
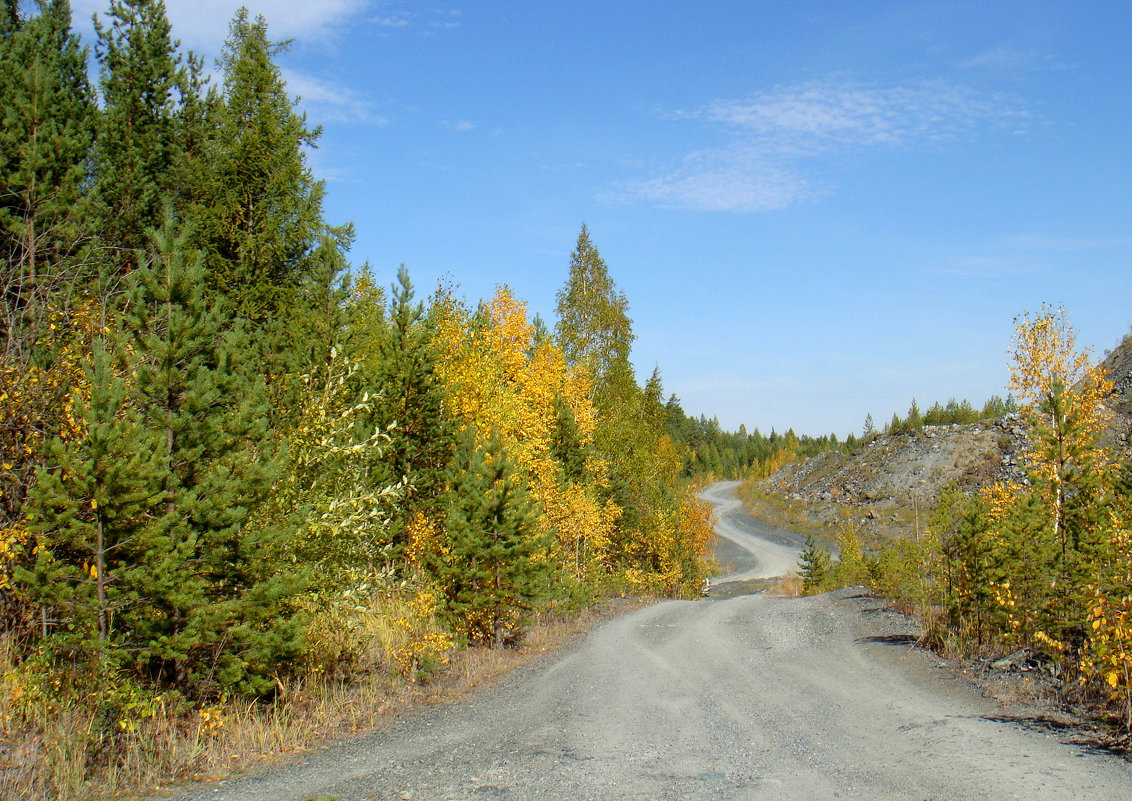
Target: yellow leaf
x: 1112, y: 678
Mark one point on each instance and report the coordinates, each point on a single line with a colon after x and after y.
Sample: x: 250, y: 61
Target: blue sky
x: 817, y: 210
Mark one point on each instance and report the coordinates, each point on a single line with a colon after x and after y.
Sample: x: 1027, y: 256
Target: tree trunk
x: 100, y: 579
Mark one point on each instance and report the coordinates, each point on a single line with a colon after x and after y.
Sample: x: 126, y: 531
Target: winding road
x: 748, y: 697
x: 758, y: 551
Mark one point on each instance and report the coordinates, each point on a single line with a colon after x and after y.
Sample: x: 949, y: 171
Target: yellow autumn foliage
x: 1108, y: 657
x: 1054, y: 383
x: 498, y: 380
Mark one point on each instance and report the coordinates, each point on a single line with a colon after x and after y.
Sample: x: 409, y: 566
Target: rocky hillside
x: 887, y: 484
x: 1118, y: 367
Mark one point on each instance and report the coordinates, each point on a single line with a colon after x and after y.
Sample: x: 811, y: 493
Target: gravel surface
x: 750, y: 697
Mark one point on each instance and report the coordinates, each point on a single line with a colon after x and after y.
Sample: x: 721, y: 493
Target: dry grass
x: 787, y: 587
x: 59, y: 754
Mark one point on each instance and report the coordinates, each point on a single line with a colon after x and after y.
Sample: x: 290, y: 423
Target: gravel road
x: 761, y: 551
x: 750, y: 697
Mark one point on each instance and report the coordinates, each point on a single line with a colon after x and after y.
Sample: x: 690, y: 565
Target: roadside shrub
x: 852, y: 566
x: 369, y: 629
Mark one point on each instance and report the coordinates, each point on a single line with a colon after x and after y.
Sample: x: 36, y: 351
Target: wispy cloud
x: 737, y: 178
x: 202, y: 25
x: 447, y: 18
x: 1004, y: 57
x: 824, y: 115
x: 328, y: 102
x: 392, y: 16
x: 396, y: 21
x: 1029, y: 254
x: 463, y: 126
x: 771, y: 136
x: 987, y: 267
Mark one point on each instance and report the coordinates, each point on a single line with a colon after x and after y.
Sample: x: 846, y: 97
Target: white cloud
x: 1001, y: 57
x: 327, y: 102
x: 771, y: 136
x: 463, y: 126
x: 822, y: 115
x: 727, y: 179
x: 391, y: 22
x: 202, y: 25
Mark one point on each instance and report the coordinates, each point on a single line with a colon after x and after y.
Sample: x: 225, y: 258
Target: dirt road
x: 752, y: 549
x: 745, y: 698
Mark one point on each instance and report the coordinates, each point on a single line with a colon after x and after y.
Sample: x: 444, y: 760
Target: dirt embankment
x: 887, y: 484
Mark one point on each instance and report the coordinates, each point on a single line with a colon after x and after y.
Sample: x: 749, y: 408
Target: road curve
x: 764, y: 551
x: 746, y: 698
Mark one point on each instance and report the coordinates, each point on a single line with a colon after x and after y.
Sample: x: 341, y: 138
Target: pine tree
x: 262, y: 209
x: 89, y: 509
x: 915, y: 419
x: 187, y: 183
x: 422, y: 441
x: 494, y: 565
x: 220, y: 606
x: 969, y: 558
x: 814, y: 567
x: 10, y: 21
x: 46, y: 112
x: 566, y: 444
x: 45, y: 141
x: 323, y: 313
x: 137, y: 144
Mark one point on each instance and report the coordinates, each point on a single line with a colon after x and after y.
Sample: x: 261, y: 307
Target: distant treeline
x: 951, y: 413
x: 711, y: 452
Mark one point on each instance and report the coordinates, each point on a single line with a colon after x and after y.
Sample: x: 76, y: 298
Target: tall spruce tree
x: 137, y: 146
x: 493, y: 566
x: 45, y: 141
x: 323, y: 316
x: 220, y: 606
x: 262, y: 210
x: 9, y: 17
x: 196, y: 121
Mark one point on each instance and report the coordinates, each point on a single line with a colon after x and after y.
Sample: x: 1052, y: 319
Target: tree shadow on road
x: 1084, y: 734
x: 891, y: 639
